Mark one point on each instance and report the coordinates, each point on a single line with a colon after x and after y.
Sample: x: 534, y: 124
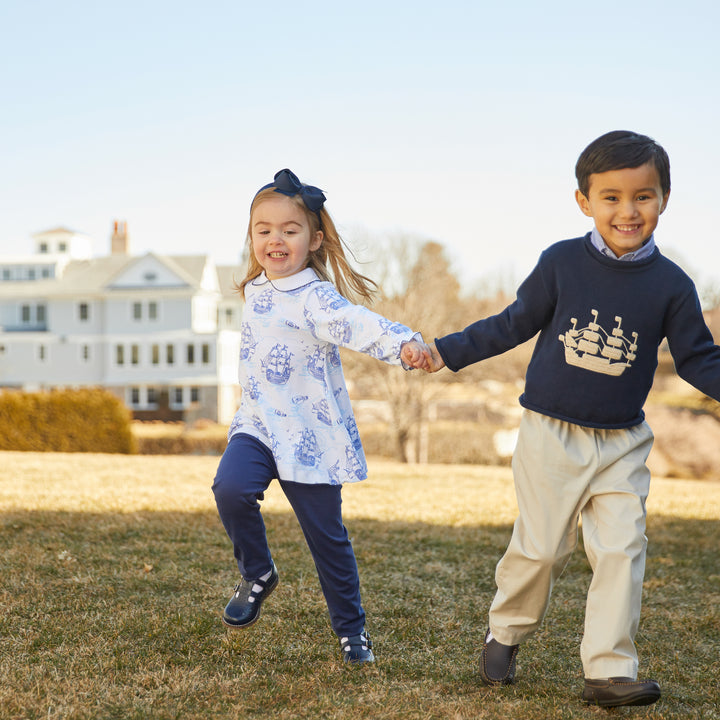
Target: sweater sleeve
x: 518, y: 322
x: 332, y: 318
x: 696, y: 356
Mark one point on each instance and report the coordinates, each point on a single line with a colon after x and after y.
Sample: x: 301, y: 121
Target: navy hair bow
x: 287, y: 183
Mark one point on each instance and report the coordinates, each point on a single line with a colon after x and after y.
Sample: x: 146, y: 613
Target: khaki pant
x: 562, y: 472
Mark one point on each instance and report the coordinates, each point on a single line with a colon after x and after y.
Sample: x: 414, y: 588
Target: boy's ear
x: 665, y: 199
x: 583, y: 203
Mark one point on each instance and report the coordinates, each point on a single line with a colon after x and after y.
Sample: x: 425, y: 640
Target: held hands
x: 420, y: 356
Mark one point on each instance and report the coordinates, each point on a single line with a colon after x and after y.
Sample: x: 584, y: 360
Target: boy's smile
x: 625, y: 205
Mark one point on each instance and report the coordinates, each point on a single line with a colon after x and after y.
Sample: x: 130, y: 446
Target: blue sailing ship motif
x: 374, y: 350
x: 322, y: 412
x: 247, y: 342
x: 354, y: 466
x: 594, y: 349
x: 263, y: 303
x: 277, y: 365
x: 299, y: 399
x: 334, y: 473
x: 334, y: 356
x: 330, y: 299
x: 292, y: 325
x: 310, y: 322
x: 341, y: 330
x: 259, y: 425
x: 316, y: 363
x: 252, y: 388
x: 307, y: 451
x: 388, y: 327
x: 352, y: 429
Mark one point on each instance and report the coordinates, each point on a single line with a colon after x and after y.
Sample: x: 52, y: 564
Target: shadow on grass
x: 118, y: 615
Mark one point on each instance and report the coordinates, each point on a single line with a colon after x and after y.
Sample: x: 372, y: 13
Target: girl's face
x: 281, y: 237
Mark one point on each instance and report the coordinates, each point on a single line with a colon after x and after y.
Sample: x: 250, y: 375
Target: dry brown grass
x: 115, y: 570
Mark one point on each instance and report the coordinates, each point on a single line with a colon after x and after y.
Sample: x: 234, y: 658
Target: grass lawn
x: 115, y: 570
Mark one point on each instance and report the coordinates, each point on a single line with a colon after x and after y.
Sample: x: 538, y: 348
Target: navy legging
x: 244, y: 473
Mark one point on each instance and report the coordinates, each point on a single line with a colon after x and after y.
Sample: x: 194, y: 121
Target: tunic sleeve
x: 332, y: 318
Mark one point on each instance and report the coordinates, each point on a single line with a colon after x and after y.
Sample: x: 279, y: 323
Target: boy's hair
x: 349, y: 283
x: 618, y: 150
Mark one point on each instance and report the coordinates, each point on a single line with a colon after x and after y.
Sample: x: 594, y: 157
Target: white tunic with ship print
x: 294, y: 397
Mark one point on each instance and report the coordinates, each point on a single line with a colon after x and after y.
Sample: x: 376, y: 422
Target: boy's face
x: 625, y: 205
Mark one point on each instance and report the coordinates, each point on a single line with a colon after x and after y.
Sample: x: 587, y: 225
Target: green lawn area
x: 115, y: 570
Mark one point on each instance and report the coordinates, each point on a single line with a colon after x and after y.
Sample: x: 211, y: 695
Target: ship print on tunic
x: 316, y: 363
x: 594, y: 349
x: 307, y: 451
x: 277, y: 365
x: 322, y: 412
x: 329, y: 299
x: 263, y: 303
x: 341, y: 330
x: 294, y: 396
x: 247, y: 342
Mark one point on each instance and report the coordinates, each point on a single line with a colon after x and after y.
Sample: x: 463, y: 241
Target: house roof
x: 92, y: 276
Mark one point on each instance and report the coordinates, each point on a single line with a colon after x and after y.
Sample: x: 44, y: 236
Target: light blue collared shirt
x: 640, y: 254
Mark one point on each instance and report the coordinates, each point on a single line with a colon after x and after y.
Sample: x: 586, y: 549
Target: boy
x: 602, y: 304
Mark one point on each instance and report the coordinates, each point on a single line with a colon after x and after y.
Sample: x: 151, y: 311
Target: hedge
x: 85, y: 420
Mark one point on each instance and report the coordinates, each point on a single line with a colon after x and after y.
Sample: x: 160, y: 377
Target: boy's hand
x: 433, y: 361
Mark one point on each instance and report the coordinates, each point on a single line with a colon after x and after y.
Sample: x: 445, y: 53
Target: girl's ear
x: 583, y: 203
x: 316, y: 242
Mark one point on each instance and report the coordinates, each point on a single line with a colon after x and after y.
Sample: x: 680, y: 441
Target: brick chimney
x: 119, y: 244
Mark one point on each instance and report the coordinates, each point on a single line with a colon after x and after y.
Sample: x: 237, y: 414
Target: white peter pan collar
x: 293, y: 282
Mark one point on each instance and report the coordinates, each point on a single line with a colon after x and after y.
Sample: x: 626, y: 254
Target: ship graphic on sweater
x: 595, y: 349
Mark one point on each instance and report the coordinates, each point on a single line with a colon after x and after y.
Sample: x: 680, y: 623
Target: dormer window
x: 150, y: 276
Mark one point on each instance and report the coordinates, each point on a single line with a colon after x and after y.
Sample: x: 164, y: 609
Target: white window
x: 85, y: 352
x: 119, y: 354
x: 152, y: 311
x: 190, y: 354
x: 137, y: 311
x: 135, y: 354
x: 84, y: 311
x: 205, y: 353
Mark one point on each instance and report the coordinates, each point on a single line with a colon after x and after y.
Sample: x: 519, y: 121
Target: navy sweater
x: 601, y: 322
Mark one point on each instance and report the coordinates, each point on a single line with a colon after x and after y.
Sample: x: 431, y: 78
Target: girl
x: 295, y: 422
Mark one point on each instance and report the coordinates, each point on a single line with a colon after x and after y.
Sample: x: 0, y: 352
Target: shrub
x: 85, y: 420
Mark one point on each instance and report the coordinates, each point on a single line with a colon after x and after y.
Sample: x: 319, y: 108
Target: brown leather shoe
x: 497, y: 662
x: 616, y: 691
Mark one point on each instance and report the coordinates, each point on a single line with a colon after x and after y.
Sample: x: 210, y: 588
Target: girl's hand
x: 421, y: 356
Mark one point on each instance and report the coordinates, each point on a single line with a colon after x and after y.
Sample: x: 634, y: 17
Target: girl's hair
x: 349, y: 283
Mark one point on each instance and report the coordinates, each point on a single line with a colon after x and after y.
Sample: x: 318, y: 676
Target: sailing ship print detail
x: 307, y: 451
x: 594, y: 349
x: 277, y: 365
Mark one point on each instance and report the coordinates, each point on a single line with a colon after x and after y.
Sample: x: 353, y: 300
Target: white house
x: 161, y: 332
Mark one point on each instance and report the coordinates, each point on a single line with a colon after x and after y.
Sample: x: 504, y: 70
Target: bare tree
x: 419, y: 289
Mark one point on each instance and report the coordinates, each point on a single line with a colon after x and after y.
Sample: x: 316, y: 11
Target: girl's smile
x: 281, y: 237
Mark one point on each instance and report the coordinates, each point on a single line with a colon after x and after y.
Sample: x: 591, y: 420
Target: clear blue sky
x: 458, y: 121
